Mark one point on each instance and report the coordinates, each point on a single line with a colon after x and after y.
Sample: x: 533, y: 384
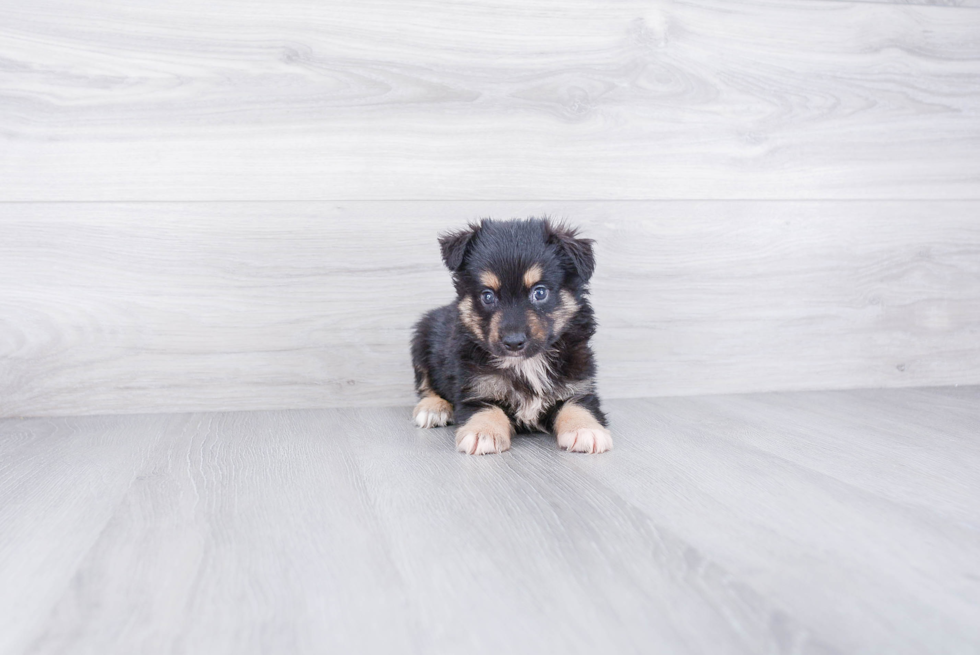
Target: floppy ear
x: 575, y: 249
x: 454, y: 245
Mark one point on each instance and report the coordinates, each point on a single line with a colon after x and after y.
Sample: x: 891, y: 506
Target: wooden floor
x: 844, y: 521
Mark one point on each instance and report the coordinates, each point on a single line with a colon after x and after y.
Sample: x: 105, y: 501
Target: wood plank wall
x: 234, y: 205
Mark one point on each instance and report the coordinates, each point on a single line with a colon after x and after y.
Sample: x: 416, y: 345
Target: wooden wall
x: 233, y: 205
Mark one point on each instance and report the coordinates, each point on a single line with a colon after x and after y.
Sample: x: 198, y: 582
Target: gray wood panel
x: 936, y: 3
x: 570, y: 99
x: 817, y: 522
x: 153, y: 307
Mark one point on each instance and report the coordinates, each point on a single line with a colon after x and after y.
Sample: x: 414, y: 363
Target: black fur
x: 457, y: 351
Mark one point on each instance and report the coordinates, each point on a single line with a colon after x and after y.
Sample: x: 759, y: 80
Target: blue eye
x: 488, y: 297
x: 539, y: 294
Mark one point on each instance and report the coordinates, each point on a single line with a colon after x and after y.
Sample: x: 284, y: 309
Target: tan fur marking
x: 490, y: 279
x: 537, y: 329
x: 527, y: 408
x: 572, y: 417
x: 432, y: 411
x: 579, y: 431
x: 495, y: 327
x: 566, y: 310
x: 487, y: 431
x: 469, y: 318
x: 533, y: 275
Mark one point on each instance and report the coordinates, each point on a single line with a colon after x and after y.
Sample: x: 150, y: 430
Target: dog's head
x: 519, y: 283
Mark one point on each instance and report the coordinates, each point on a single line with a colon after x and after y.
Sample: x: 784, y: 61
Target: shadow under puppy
x: 512, y: 352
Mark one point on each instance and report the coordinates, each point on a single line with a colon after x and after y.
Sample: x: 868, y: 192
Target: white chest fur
x: 537, y: 375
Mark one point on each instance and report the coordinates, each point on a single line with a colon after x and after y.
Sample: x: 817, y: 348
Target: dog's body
x: 513, y: 350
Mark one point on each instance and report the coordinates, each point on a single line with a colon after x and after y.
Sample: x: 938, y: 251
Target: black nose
x: 514, y: 341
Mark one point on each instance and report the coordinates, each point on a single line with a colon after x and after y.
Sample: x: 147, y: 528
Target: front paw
x: 488, y: 431
x: 586, y: 440
x: 433, y: 412
x: 481, y: 443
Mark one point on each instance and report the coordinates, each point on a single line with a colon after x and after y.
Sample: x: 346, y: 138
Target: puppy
x: 512, y: 352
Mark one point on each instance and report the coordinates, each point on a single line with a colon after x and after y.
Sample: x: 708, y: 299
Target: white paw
x: 427, y: 419
x: 433, y: 412
x: 481, y: 441
x: 586, y: 440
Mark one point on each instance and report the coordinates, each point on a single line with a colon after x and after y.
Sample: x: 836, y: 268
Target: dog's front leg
x: 485, y: 429
x: 578, y: 430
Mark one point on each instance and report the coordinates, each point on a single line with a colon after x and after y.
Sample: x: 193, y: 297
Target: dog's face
x: 519, y: 283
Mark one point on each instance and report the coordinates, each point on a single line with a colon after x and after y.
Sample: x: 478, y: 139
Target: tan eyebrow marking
x: 533, y: 275
x: 489, y: 279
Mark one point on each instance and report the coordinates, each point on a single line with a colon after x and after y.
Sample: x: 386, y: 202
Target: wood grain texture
x: 864, y: 484
x: 569, y: 99
x: 154, y: 307
x: 934, y: 3
x: 819, y: 522
x: 61, y: 483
